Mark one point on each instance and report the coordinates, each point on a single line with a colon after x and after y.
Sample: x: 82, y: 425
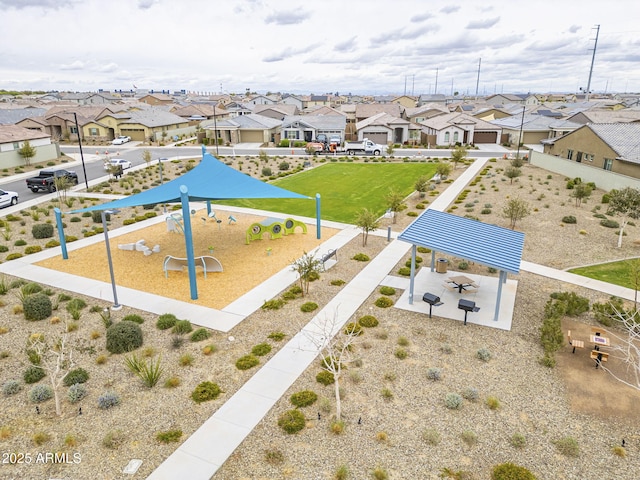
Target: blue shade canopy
x: 487, y: 244
x: 209, y: 180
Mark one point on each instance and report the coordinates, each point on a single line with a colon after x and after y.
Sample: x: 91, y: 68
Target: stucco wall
x: 44, y: 153
x: 571, y: 169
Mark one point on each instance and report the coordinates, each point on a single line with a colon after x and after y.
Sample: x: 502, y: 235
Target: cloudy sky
x: 347, y: 46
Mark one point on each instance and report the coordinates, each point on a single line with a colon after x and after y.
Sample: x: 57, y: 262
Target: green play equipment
x: 275, y: 227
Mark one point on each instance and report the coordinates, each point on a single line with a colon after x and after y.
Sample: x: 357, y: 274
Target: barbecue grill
x: 432, y: 300
x: 467, y: 306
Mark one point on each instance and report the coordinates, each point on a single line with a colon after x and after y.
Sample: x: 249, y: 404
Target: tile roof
x: 13, y: 133
x: 14, y: 115
x: 624, y: 138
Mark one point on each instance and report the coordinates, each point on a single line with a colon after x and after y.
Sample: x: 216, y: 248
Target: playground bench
x: 331, y: 253
x: 208, y: 264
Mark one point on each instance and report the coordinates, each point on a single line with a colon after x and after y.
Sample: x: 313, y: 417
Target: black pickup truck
x: 46, y: 180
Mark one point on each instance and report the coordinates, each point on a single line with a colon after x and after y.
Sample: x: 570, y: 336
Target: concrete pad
x: 183, y: 464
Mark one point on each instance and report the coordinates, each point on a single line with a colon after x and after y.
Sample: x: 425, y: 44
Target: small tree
x: 395, y: 202
x: 517, y: 162
x: 580, y: 192
x: 62, y: 185
x: 444, y: 169
x: 307, y: 267
x: 421, y: 185
x: 625, y: 203
x: 367, y: 221
x: 458, y: 155
x: 146, y: 156
x: 512, y: 172
x: 626, y: 348
x: 56, y: 360
x: 27, y: 152
x: 515, y: 209
x: 390, y: 149
x: 335, y: 344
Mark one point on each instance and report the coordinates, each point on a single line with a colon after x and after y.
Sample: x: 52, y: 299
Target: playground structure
x: 140, y: 246
x: 174, y: 223
x: 208, y: 264
x: 275, y: 227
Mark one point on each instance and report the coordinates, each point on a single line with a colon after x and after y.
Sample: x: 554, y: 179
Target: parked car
x: 7, y: 198
x: 117, y: 162
x: 120, y: 140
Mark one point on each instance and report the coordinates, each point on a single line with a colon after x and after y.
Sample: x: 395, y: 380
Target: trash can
x: 441, y: 265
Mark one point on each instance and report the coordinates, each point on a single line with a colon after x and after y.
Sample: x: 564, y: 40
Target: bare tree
x: 626, y: 348
x: 367, y: 221
x: 307, y: 267
x: 515, y: 209
x: 336, y: 345
x: 56, y: 360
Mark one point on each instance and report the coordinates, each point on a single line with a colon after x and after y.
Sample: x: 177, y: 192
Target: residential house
x: 237, y: 109
x: 156, y: 99
x: 366, y: 110
x: 84, y: 98
x: 249, y: 128
x: 385, y: 129
x: 306, y: 128
x: 12, y: 138
x: 609, y: 146
x: 153, y: 124
x: 501, y: 99
x: 529, y: 129
x: 197, y: 112
x: 277, y: 111
x: 490, y: 113
x: 407, y: 101
x: 458, y: 128
x: 349, y: 110
x: 10, y: 116
x: 419, y: 114
x: 260, y: 100
x: 293, y: 100
x: 605, y: 116
x: 314, y: 100
x: 437, y: 98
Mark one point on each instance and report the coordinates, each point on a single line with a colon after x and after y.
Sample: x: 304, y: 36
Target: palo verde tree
x: 56, y: 360
x: 626, y: 204
x: 515, y: 209
x: 27, y: 152
x: 307, y: 267
x: 444, y: 169
x: 367, y: 221
x: 512, y: 172
x: 335, y: 344
x: 580, y: 192
x: 395, y: 202
x: 458, y: 155
x: 421, y: 185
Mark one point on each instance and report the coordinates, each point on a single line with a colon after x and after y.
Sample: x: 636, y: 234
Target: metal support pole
x: 84, y: 168
x: 116, y: 305
x: 318, y: 230
x: 63, y: 241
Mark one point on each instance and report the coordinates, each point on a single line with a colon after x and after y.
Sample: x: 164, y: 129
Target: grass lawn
x: 344, y: 189
x: 619, y: 273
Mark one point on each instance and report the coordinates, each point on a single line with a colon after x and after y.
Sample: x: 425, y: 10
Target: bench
x: 208, y: 264
x: 599, y: 357
x: 331, y: 253
x: 574, y: 343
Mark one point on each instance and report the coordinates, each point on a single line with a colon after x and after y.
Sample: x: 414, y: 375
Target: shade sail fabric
x: 209, y: 180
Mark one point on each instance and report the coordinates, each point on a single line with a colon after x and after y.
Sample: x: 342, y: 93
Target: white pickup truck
x: 365, y: 146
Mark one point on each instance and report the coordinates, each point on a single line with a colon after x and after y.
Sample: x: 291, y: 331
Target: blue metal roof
x: 473, y: 240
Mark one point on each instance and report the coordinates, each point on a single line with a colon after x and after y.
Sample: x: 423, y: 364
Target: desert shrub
x: 33, y: 374
x: 4, y: 248
x: 247, y: 362
x: 401, y: 353
x: 483, y: 354
x: 274, y: 304
x: 169, y: 436
x: 469, y: 437
x: 463, y: 266
x: 424, y: 250
x: 492, y: 402
x: 181, y: 327
x: 40, y: 393
x: 387, y: 291
x: 261, y: 349
x: 308, y: 307
x: 206, y: 391
x: 337, y: 427
x: 574, y: 304
x: 108, y: 400
x: 13, y: 256
x: 568, y: 446
x: 303, y: 398
x: 384, y: 302
x: 446, y: 348
x: 37, y: 307
x: 79, y: 375
x: 76, y: 304
x: 31, y: 249
x: 569, y: 219
x: 518, y: 440
x: 124, y: 337
x: 510, y: 471
x: 337, y: 282
x: 277, y: 336
x: 434, y: 373
x: 604, y: 312
x: 431, y: 436
x: 404, y: 271
x: 134, y: 318
x: 453, y: 401
x: 325, y: 378
x: 470, y: 394
x: 113, y: 439
x: 273, y: 456
x: 200, y: 334
x: 606, y: 198
x: 76, y: 392
x: 292, y: 421
x: 619, y: 451
x: 361, y: 257
x: 11, y: 387
x: 368, y: 321
x: 172, y: 382
x: 166, y: 321
x: 352, y: 328
x: 609, y: 223
x: 42, y: 230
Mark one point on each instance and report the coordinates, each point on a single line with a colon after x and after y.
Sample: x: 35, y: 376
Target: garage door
x: 135, y: 134
x: 377, y: 137
x: 485, y: 137
x: 251, y: 136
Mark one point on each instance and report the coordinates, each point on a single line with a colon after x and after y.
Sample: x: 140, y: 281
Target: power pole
x: 478, y: 80
x: 436, y: 89
x: 593, y: 58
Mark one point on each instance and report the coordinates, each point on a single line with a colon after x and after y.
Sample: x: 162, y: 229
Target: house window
x: 292, y: 134
x: 455, y: 137
x: 588, y: 157
x: 446, y: 137
x: 73, y: 130
x: 608, y: 163
x: 570, y: 154
x: 93, y: 132
x: 16, y: 145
